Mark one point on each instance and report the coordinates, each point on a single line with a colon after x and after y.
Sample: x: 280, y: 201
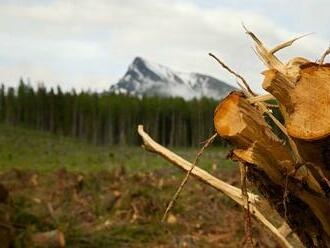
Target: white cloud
x: 88, y: 44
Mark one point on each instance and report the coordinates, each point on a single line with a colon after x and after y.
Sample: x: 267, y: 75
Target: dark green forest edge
x: 107, y: 118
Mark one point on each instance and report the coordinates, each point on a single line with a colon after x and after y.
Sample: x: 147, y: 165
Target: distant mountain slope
x: 145, y: 78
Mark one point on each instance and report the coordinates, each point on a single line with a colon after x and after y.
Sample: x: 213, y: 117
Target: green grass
x: 145, y: 182
x: 28, y: 149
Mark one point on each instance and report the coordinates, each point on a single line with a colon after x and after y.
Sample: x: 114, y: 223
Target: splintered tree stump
x: 299, y: 189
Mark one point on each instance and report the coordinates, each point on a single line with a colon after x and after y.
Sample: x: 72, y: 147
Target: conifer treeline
x: 107, y: 118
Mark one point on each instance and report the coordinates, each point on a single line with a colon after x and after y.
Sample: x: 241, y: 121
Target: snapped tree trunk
x: 292, y: 173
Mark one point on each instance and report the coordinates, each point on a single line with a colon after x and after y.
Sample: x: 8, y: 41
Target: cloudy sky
x: 88, y: 44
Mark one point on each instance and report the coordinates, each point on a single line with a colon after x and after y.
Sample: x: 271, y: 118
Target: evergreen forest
x: 107, y: 118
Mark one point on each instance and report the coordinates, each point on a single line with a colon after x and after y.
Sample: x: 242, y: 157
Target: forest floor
x: 114, y: 197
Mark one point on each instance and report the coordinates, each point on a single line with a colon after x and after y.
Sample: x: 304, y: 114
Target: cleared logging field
x: 114, y: 196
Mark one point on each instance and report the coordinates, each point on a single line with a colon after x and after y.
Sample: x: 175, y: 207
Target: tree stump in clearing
x: 54, y: 238
x: 292, y: 173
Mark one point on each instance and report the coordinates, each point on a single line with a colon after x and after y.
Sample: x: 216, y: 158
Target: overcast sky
x: 88, y: 44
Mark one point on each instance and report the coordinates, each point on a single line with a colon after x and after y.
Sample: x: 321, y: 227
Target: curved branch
x: 286, y: 43
x: 326, y: 53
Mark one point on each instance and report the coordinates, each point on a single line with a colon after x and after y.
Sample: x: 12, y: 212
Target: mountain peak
x: 147, y: 78
x: 138, y: 61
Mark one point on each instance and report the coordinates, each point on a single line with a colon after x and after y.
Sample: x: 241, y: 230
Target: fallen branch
x: 232, y: 192
x: 54, y: 238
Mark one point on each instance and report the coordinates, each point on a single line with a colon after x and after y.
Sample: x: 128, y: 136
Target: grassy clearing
x: 114, y: 196
x: 26, y: 149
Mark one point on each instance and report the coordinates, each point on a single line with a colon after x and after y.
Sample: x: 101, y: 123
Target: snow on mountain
x: 150, y: 79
